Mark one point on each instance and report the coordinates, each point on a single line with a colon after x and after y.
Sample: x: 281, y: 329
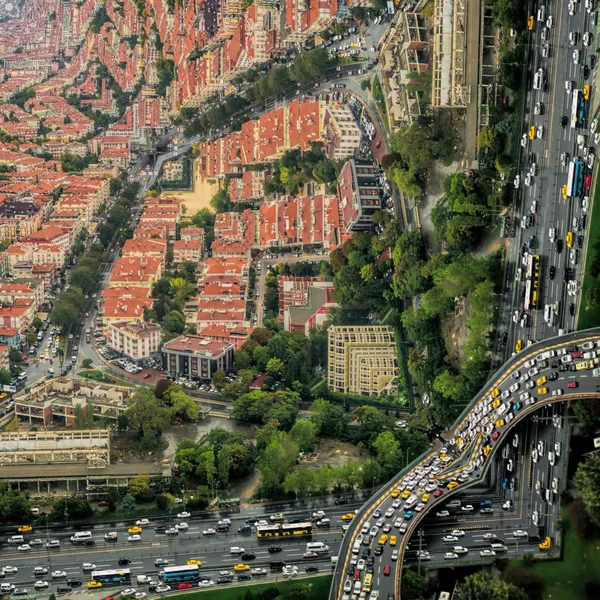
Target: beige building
x: 135, y: 339
x: 362, y: 360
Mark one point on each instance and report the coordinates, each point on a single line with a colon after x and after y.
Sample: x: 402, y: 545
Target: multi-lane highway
x: 559, y: 372
x: 540, y: 206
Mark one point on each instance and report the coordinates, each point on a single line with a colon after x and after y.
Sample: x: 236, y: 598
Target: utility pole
x: 420, y: 533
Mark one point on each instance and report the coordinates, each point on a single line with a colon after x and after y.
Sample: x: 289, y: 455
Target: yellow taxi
x: 194, y: 561
x: 3, y: 395
x: 25, y: 528
x: 241, y: 567
x: 530, y: 23
x: 546, y: 544
x: 487, y: 450
x: 495, y: 393
x: 500, y: 423
x: 569, y: 238
x: 405, y: 494
x: 542, y: 390
x: 519, y: 346
x: 564, y: 192
x: 496, y: 403
x: 57, y: 338
x: 94, y: 584
x: 134, y: 529
x: 382, y: 540
x: 541, y: 380
x: 532, y: 132
x: 586, y: 92
x: 392, y: 540
x: 348, y: 516
x: 425, y: 498
x: 396, y: 493
x: 452, y: 485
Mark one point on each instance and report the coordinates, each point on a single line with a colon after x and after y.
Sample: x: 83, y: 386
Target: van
x: 245, y: 528
x: 22, y: 376
x: 538, y: 79
x: 143, y: 579
x: 6, y: 588
x: 334, y: 561
x: 453, y: 504
x: 356, y: 548
x: 16, y: 539
x: 317, y: 547
x: 498, y: 547
x: 81, y: 536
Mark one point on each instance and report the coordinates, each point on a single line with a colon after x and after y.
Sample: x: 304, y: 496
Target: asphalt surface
x: 552, y: 210
x: 463, y: 461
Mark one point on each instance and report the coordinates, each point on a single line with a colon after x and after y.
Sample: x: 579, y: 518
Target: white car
x: 534, y: 455
x: 576, y: 56
x: 360, y: 565
x: 111, y: 535
x: 183, y: 515
x: 40, y: 585
x: 557, y: 392
x: 486, y: 553
x: 524, y: 141
x: 535, y: 518
x: 134, y: 538
x: 236, y: 550
x: 528, y: 180
x: 467, y: 508
x: 557, y: 448
x: 517, y: 181
x: 24, y: 548
x: 140, y: 595
x: 9, y: 569
x: 519, y: 533
x: 550, y: 22
x: 182, y: 526
x: 141, y: 522
x: 568, y: 86
x: 88, y: 566
x: 450, y: 555
x: 258, y: 572
x: 540, y: 132
x: 56, y: 574
x: 162, y: 588
x: 449, y: 539
x: 347, y: 585
x: 460, y: 550
x: 457, y: 532
x: 586, y: 41
x: 209, y: 531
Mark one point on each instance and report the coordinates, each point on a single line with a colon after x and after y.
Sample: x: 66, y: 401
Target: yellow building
x: 135, y: 339
x: 362, y: 360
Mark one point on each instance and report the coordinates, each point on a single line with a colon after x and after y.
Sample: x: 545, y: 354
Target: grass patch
x: 590, y: 317
x: 319, y: 589
x: 102, y: 377
x: 377, y: 94
x: 567, y: 578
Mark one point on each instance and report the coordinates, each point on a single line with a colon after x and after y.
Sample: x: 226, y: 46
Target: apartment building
x: 136, y: 339
x: 362, y: 360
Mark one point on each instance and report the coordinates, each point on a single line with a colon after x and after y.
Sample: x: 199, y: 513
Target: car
x: 311, y: 569
x: 238, y: 550
x: 181, y: 526
x: 24, y: 548
x: 457, y: 532
x: 159, y: 589
x: 467, y: 508
x: 519, y: 533
x: 450, y: 555
x: 162, y: 562
x: 172, y: 531
x: 140, y: 595
x: 348, y: 516
x: 25, y: 529
x: 209, y: 531
x: 55, y: 574
x: 124, y: 561
x: 572, y: 384
x: 88, y: 566
x: 94, y: 585
x: 438, y: 493
x: 134, y: 538
x: 486, y: 553
x: 449, y: 539
x: 387, y: 570
x: 241, y: 567
x: 110, y: 536
x: 141, y: 522
x: 408, y: 515
x: 134, y: 530
x: 40, y: 585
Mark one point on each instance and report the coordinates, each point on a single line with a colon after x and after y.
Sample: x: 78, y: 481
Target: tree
x: 13, y: 426
x: 147, y: 417
x: 482, y: 586
x: 128, y: 505
x: 388, y: 452
x: 592, y: 297
x: 304, y: 433
x: 174, y: 322
x: 14, y: 356
x: 241, y: 360
x: 299, y: 591
x: 276, y: 462
x: 182, y: 406
x: 218, y: 379
x: 486, y: 137
x: 139, y: 486
x: 587, y: 479
x: 531, y: 583
x: 87, y: 363
x: 67, y: 307
x: 275, y: 367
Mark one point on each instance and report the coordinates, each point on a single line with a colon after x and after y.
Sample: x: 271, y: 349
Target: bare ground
x: 455, y: 332
x: 335, y: 454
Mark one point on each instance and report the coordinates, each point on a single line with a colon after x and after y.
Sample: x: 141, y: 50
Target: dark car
x: 563, y: 368
x: 160, y: 529
x: 244, y: 577
x: 74, y: 582
x: 248, y: 556
x: 563, y: 122
x: 552, y: 376
x: 552, y: 272
x: 221, y: 580
x: 586, y: 71
x: 378, y: 550
x: 277, y: 564
x: 103, y: 503
x: 124, y: 561
x: 89, y: 543
x: 63, y: 588
x: 339, y: 501
x: 534, y: 538
x: 572, y: 309
x: 558, y: 245
x: 580, y: 241
x: 311, y: 569
x: 273, y: 549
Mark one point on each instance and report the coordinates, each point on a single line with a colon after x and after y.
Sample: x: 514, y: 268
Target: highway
x: 470, y: 448
x: 542, y: 201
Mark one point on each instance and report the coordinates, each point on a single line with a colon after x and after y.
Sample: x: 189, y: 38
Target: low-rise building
x: 196, y: 357
x: 136, y: 339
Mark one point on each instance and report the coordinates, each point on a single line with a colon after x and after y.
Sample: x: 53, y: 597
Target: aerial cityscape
x: 299, y: 299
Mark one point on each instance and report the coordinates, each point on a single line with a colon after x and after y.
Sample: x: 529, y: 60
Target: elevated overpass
x: 471, y: 444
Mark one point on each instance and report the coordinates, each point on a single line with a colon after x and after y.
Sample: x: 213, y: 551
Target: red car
x: 184, y: 585
x: 438, y: 493
x: 588, y: 181
x: 387, y: 570
x: 495, y: 436
x: 103, y: 503
x: 572, y: 384
x: 577, y: 354
x: 356, y: 575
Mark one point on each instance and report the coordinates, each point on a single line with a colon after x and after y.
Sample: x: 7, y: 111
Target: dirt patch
x: 335, y: 454
x: 455, y: 331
